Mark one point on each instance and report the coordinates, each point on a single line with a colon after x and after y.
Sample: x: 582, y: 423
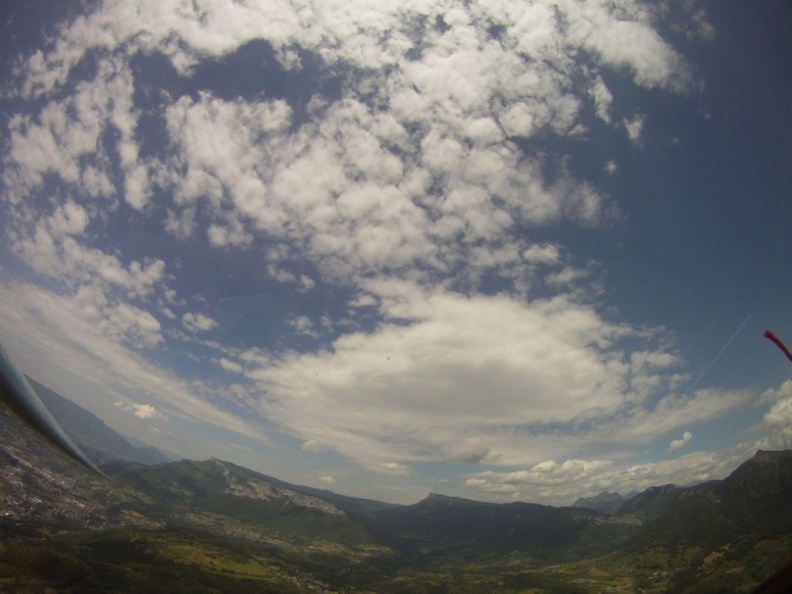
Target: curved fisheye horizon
x: 504, y: 251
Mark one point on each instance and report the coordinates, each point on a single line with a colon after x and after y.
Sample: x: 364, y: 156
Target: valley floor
x: 39, y: 558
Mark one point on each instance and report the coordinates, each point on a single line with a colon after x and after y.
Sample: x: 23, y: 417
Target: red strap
x: 779, y: 344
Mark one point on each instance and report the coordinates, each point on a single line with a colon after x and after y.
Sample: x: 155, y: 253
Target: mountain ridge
x: 740, y: 524
x: 604, y: 501
x: 91, y: 432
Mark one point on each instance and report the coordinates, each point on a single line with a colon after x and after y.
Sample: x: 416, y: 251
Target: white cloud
x: 371, y: 225
x: 487, y: 368
x: 93, y: 278
x: 68, y: 138
x: 306, y: 283
x: 643, y: 360
x: 779, y: 418
x: 74, y: 342
x: 146, y: 412
x: 471, y: 455
x: 348, y: 159
x: 53, y: 247
x: 232, y: 234
x: 783, y: 392
x: 680, y: 443
x: 623, y: 37
x: 327, y: 479
x: 603, y: 99
x: 68, y: 219
x: 229, y: 365
x: 393, y: 468
x: 634, y: 128
x: 671, y: 412
x: 181, y: 224
x: 304, y: 326
x: 198, y: 322
x: 562, y: 483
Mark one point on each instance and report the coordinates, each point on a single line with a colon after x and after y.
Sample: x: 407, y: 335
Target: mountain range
x: 213, y: 526
x: 91, y: 433
x: 605, y: 501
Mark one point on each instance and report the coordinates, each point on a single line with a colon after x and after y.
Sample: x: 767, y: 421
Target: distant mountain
x: 233, y: 500
x: 139, y: 443
x: 651, y: 503
x: 91, y: 433
x: 179, y: 527
x: 753, y: 503
x: 344, y: 502
x: 256, y: 532
x: 216, y: 526
x: 605, y: 501
x: 451, y: 527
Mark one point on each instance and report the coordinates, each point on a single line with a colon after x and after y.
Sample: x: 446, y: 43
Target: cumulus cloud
x: 561, y: 483
x: 541, y: 254
x: 229, y: 365
x: 52, y: 250
x: 634, y: 128
x: 393, y: 468
x: 493, y: 369
x: 350, y: 184
x: 681, y: 442
x: 779, y: 418
x: 68, y: 219
x: 621, y: 36
x: 68, y: 138
x: 602, y: 99
x: 146, y: 412
x: 198, y: 322
x: 783, y: 392
x: 327, y: 479
x: 350, y: 170
x: 304, y: 326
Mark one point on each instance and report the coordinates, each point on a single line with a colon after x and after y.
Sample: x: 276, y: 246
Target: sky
x: 501, y: 250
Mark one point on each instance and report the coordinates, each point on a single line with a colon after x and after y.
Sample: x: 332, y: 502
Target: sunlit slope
x: 225, y: 497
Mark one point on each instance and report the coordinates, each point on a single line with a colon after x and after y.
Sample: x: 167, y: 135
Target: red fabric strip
x: 779, y: 344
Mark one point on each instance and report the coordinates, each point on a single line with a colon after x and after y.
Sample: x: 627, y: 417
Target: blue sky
x: 500, y: 250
